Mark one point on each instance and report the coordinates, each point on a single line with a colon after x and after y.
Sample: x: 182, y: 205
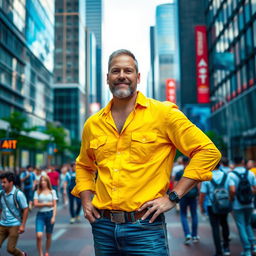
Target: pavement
x: 76, y: 239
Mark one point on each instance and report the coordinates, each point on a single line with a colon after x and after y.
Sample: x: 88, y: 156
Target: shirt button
x: 143, y: 139
x: 114, y: 189
x: 118, y: 153
x: 116, y: 170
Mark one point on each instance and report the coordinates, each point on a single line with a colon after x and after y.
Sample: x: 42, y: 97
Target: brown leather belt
x: 122, y: 217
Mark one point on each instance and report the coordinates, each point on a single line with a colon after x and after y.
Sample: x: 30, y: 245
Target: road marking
x: 59, y: 233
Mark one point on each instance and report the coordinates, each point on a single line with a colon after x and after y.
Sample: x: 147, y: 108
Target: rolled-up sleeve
x: 192, y: 142
x: 85, y: 166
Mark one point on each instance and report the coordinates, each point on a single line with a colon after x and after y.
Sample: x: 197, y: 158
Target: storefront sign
x: 8, y: 144
x: 171, y: 90
x: 202, y: 74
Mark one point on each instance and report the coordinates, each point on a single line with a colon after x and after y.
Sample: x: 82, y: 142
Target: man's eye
x: 115, y: 71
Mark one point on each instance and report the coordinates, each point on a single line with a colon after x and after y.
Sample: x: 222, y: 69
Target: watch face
x: 173, y: 197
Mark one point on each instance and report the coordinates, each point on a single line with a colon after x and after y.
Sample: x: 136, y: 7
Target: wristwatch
x: 173, y: 196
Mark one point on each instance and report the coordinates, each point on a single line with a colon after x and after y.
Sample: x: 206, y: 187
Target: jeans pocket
x: 144, y: 224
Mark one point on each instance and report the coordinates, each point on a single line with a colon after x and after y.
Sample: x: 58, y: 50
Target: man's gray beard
x: 122, y: 92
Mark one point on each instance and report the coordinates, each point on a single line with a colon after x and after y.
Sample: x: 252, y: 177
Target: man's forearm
x: 24, y: 216
x: 184, y: 185
x: 86, y: 195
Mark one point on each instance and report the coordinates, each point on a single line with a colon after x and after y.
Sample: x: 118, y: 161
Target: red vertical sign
x: 202, y: 74
x: 171, y: 90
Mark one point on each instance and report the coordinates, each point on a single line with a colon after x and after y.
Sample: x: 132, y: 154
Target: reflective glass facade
x: 232, y: 56
x: 94, y: 24
x: 40, y: 30
x: 25, y: 82
x: 166, y: 50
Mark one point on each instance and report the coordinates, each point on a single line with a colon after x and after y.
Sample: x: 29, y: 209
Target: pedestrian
x: 45, y: 199
x: 68, y: 187
x: 27, y: 178
x: 130, y: 144
x: 14, y: 213
x: 189, y: 201
x: 242, y: 193
x: 63, y: 194
x: 54, y: 178
x: 224, y: 165
x: 217, y: 219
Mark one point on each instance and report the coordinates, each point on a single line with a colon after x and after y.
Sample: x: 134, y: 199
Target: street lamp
x: 228, y: 131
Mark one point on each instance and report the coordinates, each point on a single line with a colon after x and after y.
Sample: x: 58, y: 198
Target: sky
x: 126, y: 24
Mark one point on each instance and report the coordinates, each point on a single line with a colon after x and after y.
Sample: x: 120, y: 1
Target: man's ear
x: 107, y: 78
x: 138, y: 78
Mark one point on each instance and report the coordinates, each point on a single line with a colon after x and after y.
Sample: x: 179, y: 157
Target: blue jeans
x: 140, y: 238
x: 72, y: 199
x: 186, y: 202
x: 243, y: 223
x: 43, y: 219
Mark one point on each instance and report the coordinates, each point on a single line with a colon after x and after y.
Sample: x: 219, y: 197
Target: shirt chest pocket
x: 101, y: 148
x: 142, y: 147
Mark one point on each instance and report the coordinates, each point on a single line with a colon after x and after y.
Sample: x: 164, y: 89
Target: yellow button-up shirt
x: 134, y: 166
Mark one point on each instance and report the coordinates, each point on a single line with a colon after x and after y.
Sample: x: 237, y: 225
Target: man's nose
x: 121, y: 74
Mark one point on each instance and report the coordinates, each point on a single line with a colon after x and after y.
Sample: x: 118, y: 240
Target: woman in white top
x: 45, y: 199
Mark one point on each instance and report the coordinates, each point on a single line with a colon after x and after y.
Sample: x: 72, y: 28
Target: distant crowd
x: 39, y: 188
x: 231, y: 191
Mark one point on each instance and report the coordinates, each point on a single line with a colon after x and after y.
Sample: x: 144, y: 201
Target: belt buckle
x: 117, y: 217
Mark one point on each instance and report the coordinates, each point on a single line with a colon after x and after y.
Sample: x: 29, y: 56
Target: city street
x: 76, y: 239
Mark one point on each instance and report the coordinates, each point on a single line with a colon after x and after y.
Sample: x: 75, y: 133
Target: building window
x: 254, y: 29
x: 241, y: 19
x: 249, y: 43
x: 247, y: 11
x: 253, y: 6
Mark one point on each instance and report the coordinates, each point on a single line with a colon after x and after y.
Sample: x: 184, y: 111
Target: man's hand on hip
x: 156, y: 207
x: 90, y: 212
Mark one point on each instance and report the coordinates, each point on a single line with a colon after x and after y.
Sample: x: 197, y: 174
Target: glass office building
x: 232, y: 57
x: 166, y: 48
x: 94, y: 25
x: 26, y: 59
x: 70, y: 66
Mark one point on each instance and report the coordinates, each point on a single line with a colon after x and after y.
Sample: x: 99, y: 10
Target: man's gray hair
x: 122, y: 52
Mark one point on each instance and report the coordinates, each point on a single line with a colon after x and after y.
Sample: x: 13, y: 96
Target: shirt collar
x: 140, y: 100
x: 12, y: 191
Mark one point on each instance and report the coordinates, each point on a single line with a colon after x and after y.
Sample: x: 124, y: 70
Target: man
x: 217, y: 220
x: 242, y: 209
x: 69, y: 184
x: 131, y: 144
x: 27, y: 178
x: 225, y: 165
x: 12, y: 221
x: 188, y: 201
x: 54, y: 178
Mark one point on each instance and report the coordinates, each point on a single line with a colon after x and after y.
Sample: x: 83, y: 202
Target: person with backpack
x: 219, y: 205
x: 45, y: 200
x: 68, y: 187
x: 189, y: 200
x: 27, y: 178
x: 242, y: 193
x: 13, y: 212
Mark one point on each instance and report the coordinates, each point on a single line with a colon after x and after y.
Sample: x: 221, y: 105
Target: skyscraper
x: 166, y: 48
x: 26, y: 62
x: 70, y: 66
x: 94, y: 24
x: 232, y: 58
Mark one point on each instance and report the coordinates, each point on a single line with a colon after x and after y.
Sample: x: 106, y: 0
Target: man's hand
x: 157, y: 206
x: 21, y: 229
x: 90, y: 212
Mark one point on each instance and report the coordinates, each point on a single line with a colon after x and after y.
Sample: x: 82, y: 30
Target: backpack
x: 244, y: 193
x: 220, y: 201
x: 72, y: 181
x: 16, y: 203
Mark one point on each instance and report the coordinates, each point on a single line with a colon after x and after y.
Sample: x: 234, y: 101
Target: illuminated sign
x: 171, y: 90
x: 202, y: 74
x: 8, y: 144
